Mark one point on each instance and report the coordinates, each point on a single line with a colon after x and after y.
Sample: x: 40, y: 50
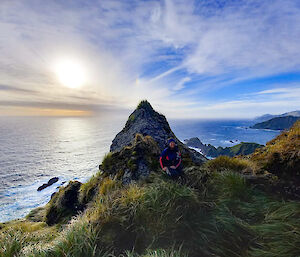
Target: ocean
x: 35, y: 149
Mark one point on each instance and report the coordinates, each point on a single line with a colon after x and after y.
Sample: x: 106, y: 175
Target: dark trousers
x: 176, y: 173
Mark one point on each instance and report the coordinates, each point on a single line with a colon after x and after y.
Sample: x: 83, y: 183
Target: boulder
x: 50, y: 182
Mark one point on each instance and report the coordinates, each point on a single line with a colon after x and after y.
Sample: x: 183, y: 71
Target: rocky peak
x: 147, y: 122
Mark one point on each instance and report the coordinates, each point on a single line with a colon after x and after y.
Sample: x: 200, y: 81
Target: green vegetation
x: 107, y: 161
x: 243, y: 148
x: 144, y: 104
x: 64, y: 204
x: 281, y: 156
x: 222, y: 216
x: 216, y: 212
x: 143, y: 150
x: 223, y: 163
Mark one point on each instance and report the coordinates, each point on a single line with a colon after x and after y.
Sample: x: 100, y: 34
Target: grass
x: 222, y: 163
x: 107, y: 161
x: 18, y: 238
x: 64, y: 204
x: 280, y: 156
x: 89, y: 189
x: 229, y: 219
x: 159, y: 253
x: 216, y: 213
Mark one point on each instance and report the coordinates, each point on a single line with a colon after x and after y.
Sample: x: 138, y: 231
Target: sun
x: 70, y: 73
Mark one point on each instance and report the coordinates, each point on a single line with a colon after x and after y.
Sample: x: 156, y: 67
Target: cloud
x: 16, y: 89
x: 180, y: 84
x: 162, y: 44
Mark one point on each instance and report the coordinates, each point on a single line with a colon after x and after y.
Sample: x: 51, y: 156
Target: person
x: 170, y: 160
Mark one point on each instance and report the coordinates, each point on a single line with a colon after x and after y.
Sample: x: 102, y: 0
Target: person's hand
x: 164, y: 168
x: 172, y: 167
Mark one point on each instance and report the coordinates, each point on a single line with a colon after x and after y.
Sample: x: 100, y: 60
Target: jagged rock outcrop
x: 63, y: 204
x: 244, y: 148
x: 147, y: 122
x: 135, y: 161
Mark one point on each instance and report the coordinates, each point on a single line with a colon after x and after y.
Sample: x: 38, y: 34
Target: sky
x: 190, y: 59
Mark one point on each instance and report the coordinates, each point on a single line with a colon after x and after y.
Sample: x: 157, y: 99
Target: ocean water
x: 35, y: 149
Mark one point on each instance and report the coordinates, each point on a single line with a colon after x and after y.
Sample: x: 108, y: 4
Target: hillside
x: 130, y: 208
x: 209, y: 150
x: 281, y: 156
x: 266, y: 117
x: 278, y: 123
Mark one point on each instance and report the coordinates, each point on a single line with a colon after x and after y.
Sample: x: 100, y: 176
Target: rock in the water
x: 50, y: 182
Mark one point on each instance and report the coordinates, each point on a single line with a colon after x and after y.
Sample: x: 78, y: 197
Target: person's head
x: 171, y: 143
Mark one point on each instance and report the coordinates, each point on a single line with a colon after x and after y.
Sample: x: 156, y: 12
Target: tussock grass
x: 222, y: 163
x: 224, y: 217
x: 18, y: 238
x: 158, y: 253
x: 281, y: 156
x: 89, y: 189
x: 107, y: 161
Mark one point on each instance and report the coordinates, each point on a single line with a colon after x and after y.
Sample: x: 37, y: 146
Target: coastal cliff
x: 226, y: 206
x: 277, y: 123
x: 244, y: 148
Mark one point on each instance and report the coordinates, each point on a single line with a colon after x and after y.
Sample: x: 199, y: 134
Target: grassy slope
x: 216, y: 213
x: 281, y: 155
x: 221, y: 217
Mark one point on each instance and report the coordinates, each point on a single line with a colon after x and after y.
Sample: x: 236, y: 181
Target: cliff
x: 209, y: 150
x: 278, y: 123
x: 271, y: 116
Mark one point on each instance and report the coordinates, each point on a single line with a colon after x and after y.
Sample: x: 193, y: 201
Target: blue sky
x: 190, y: 59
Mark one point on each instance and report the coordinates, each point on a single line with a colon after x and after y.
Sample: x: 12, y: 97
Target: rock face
x: 144, y: 120
x: 63, y: 204
x: 135, y: 150
x: 147, y: 122
x: 135, y: 161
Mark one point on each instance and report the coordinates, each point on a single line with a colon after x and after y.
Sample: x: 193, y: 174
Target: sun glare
x: 70, y: 73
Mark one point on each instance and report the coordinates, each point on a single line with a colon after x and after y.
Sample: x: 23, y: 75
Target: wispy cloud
x: 16, y: 89
x: 164, y: 45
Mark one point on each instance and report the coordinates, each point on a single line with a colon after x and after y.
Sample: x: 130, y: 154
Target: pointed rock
x: 147, y: 122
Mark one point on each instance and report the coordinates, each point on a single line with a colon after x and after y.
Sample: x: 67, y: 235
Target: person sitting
x: 170, y: 160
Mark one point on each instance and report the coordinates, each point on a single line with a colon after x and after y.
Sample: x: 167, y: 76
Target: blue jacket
x: 170, y: 157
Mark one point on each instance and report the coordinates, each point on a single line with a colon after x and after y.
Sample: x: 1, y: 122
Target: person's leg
x: 180, y: 171
x: 174, y: 173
